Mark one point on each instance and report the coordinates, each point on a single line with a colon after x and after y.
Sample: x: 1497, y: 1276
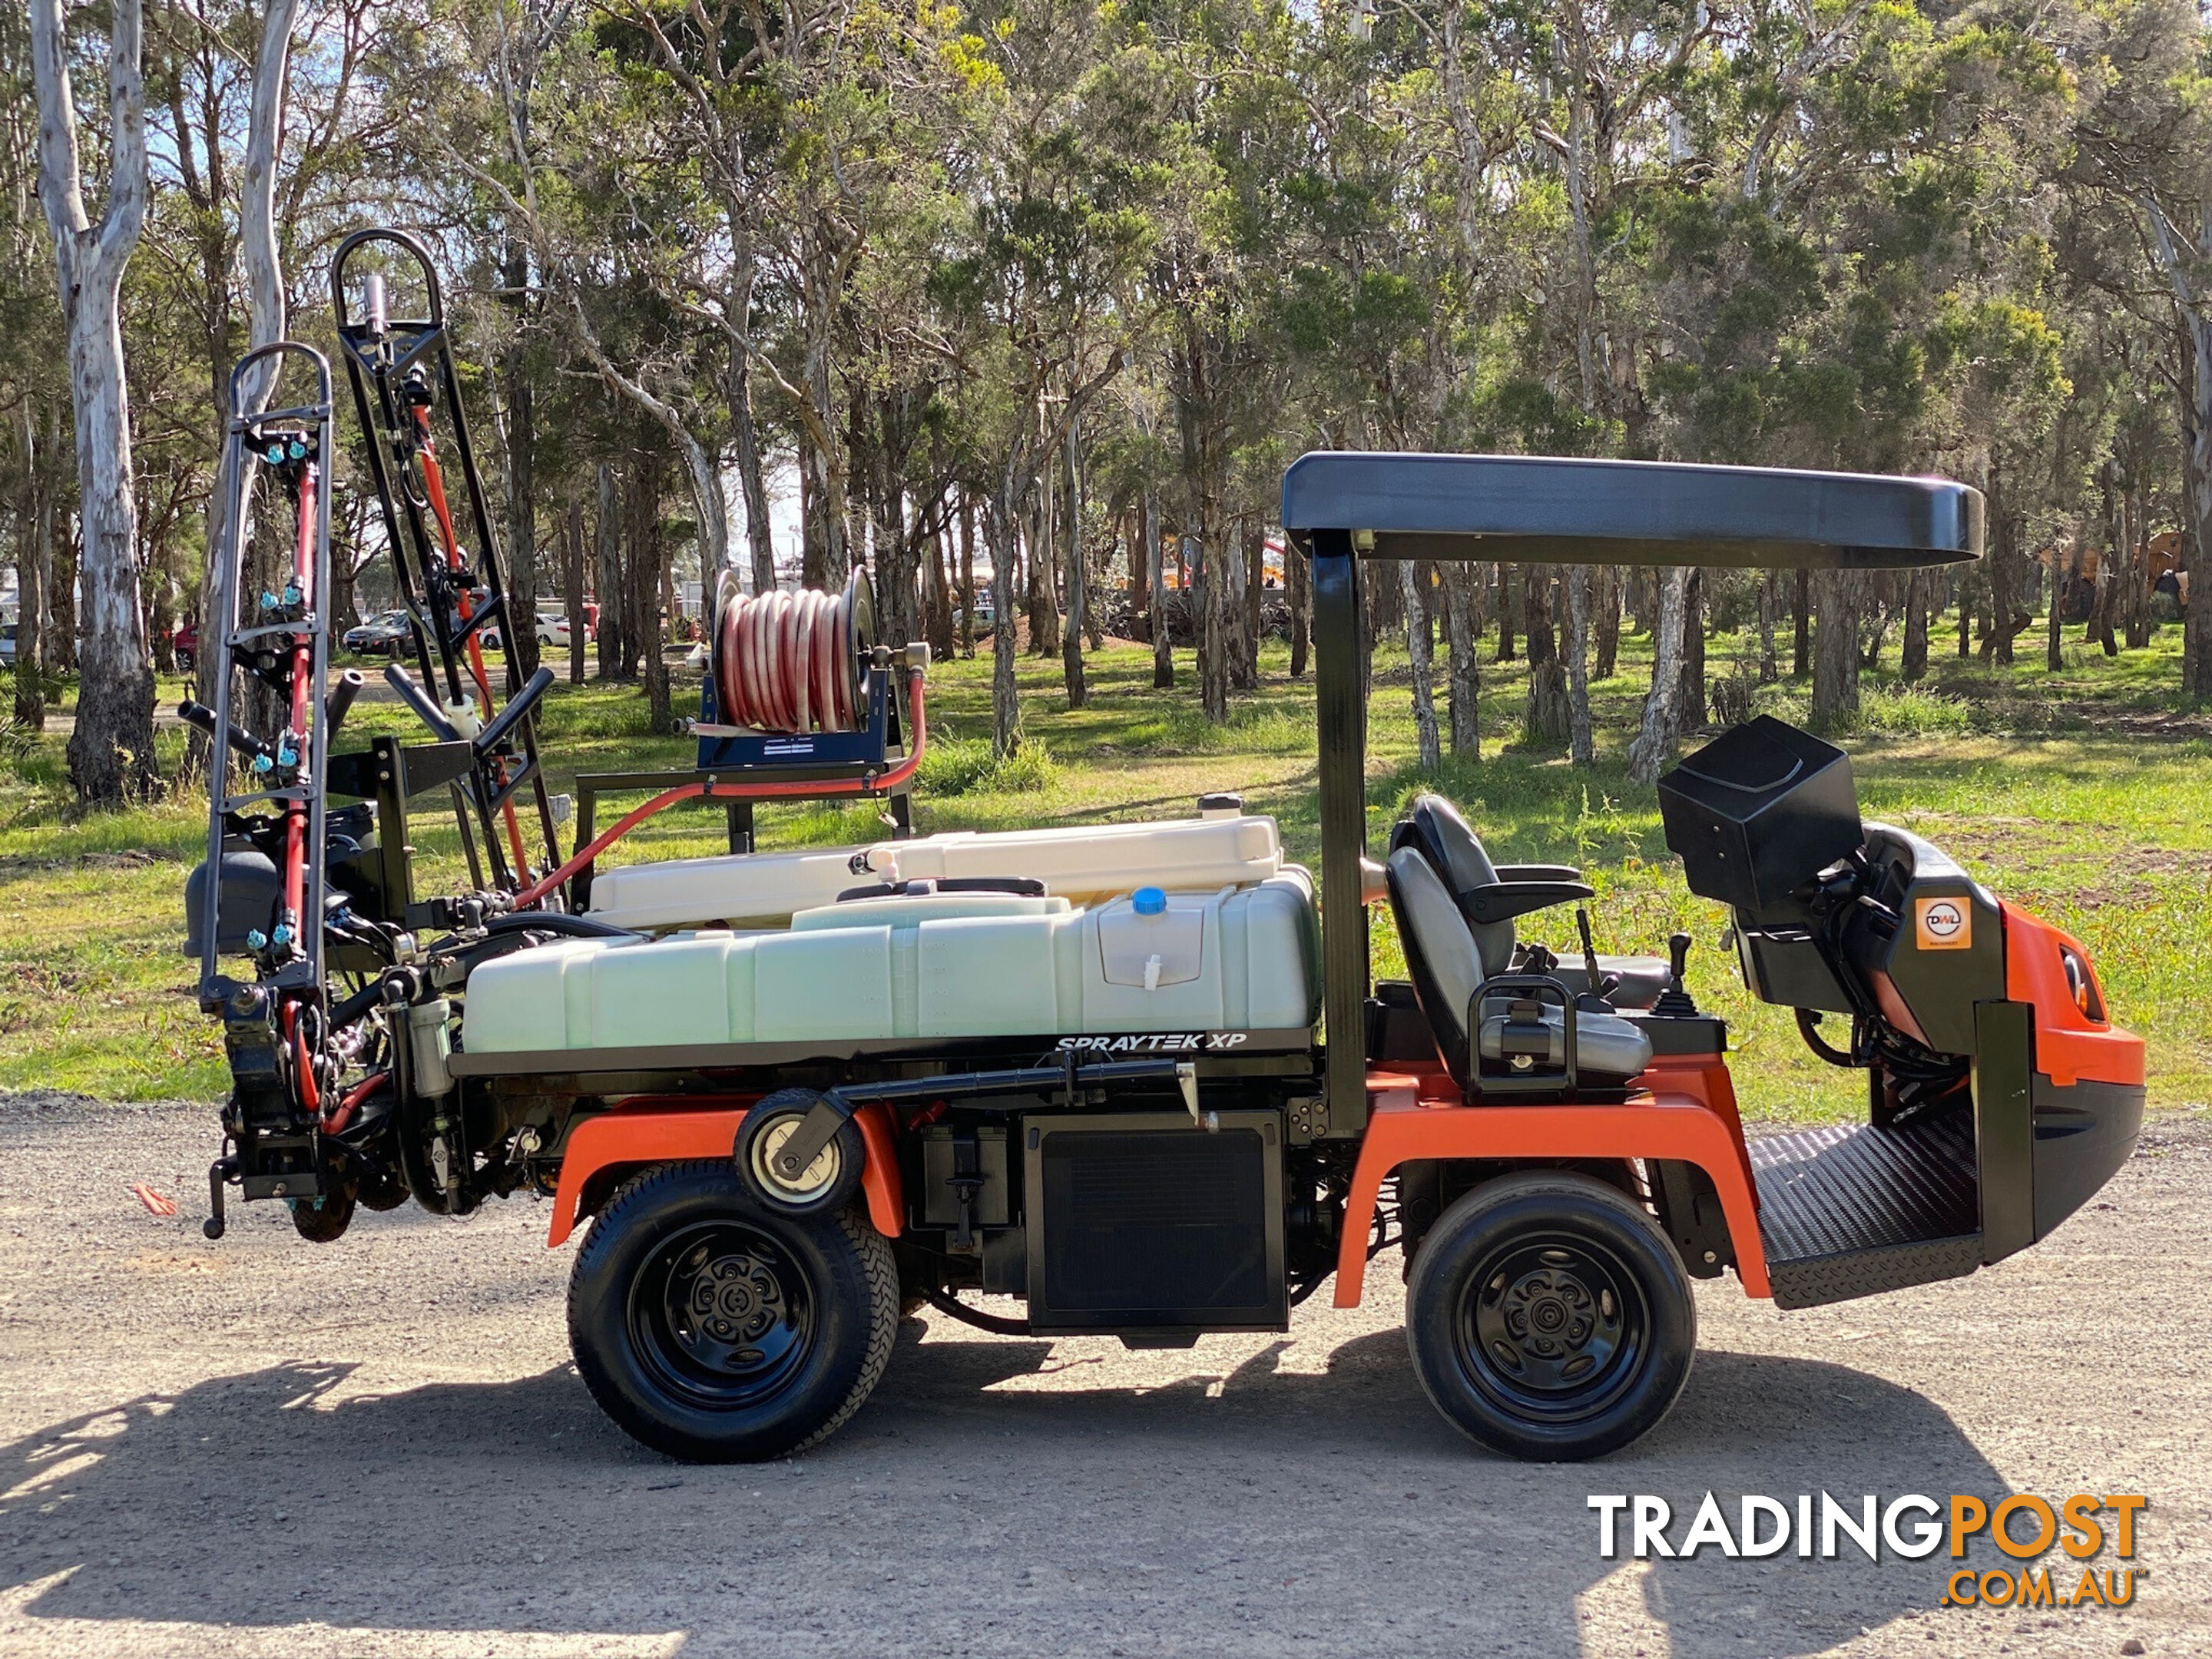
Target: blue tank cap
x: 1148, y: 901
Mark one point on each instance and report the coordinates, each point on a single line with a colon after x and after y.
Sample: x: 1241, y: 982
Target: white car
x: 553, y: 629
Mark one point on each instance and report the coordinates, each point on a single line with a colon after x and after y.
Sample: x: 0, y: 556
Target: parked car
x: 388, y: 634
x: 553, y: 630
x: 185, y: 642
x: 986, y: 614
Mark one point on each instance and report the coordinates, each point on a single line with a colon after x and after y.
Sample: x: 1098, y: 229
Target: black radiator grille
x: 1149, y: 1226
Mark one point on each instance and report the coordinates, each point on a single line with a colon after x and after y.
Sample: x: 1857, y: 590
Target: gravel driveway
x: 262, y: 1446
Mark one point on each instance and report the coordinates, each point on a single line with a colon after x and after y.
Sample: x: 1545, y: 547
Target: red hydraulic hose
x: 434, y: 486
x: 296, y: 811
x: 303, y: 671
x: 342, y: 1114
x: 668, y: 798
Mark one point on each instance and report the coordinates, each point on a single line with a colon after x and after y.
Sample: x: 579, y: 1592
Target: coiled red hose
x: 790, y: 661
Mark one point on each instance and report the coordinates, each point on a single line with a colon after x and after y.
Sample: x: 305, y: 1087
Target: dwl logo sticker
x: 1943, y: 924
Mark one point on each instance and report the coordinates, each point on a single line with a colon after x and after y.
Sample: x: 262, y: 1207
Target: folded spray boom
x: 402, y: 373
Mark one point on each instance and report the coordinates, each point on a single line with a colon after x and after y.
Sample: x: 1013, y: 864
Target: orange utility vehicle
x: 1133, y: 1075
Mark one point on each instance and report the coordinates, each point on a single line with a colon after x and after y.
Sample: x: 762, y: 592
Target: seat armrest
x: 1504, y: 900
x: 1538, y: 873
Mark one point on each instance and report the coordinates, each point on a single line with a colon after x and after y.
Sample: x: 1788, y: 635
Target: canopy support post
x: 1341, y: 695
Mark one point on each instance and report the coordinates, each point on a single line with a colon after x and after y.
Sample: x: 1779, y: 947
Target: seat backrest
x: 1435, y: 830
x: 1440, y: 953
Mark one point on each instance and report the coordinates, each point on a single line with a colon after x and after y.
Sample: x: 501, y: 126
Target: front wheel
x: 716, y: 1328
x: 1549, y: 1318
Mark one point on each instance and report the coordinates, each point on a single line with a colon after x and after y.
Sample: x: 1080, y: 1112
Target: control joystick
x: 1675, y: 1002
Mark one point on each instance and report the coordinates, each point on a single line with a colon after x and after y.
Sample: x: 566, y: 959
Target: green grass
x: 2079, y: 795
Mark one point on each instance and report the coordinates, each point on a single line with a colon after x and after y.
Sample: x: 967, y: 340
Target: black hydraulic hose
x: 1807, y: 1022
x: 355, y: 1006
x: 982, y: 1321
x: 554, y: 921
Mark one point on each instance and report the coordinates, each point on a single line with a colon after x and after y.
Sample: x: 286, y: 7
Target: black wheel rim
x: 1553, y: 1328
x: 723, y: 1316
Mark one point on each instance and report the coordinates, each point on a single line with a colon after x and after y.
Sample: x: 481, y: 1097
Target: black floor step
x: 1847, y: 1212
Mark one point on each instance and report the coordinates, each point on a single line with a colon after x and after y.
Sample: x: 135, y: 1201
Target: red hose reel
x: 794, y: 660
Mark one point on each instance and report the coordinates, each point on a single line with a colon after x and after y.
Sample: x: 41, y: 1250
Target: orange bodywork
x: 2070, y: 1044
x: 1684, y: 1108
x: 660, y: 1131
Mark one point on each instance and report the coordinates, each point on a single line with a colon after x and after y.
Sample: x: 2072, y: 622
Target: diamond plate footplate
x: 1851, y: 1210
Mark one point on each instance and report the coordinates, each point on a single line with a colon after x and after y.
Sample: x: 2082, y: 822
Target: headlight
x: 2080, y: 984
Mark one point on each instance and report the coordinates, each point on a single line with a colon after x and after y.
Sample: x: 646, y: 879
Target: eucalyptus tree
x: 35, y: 459
x: 1040, y: 293
x: 111, y: 752
x: 2144, y: 135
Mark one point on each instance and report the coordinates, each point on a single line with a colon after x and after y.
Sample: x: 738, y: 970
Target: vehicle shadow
x: 985, y: 1498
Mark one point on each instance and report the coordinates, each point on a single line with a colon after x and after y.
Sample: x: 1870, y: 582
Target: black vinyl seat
x: 1450, y: 962
x: 1491, y: 895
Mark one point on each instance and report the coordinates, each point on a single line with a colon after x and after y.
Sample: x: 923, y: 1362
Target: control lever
x: 1600, y: 988
x: 1675, y: 1002
x: 1187, y: 1081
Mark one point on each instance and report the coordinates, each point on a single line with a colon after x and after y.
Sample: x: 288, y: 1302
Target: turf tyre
x: 1549, y: 1318
x: 716, y: 1328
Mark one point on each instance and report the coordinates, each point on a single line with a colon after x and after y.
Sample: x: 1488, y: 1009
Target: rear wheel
x: 1549, y: 1318
x: 717, y: 1329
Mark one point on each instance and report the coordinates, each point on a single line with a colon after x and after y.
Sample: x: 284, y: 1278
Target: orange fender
x: 664, y: 1132
x: 1690, y: 1115
x: 2071, y: 1042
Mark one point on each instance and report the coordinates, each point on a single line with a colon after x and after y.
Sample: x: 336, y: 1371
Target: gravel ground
x: 262, y: 1446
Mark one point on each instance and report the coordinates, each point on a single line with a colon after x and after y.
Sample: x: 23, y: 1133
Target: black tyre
x: 1549, y: 1318
x: 323, y: 1220
x: 717, y: 1329
x: 829, y: 1181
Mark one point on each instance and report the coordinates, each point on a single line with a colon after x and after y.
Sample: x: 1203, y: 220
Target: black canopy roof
x: 1548, y: 510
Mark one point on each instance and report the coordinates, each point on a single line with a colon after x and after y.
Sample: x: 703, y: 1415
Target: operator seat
x: 1449, y: 959
x: 1435, y: 827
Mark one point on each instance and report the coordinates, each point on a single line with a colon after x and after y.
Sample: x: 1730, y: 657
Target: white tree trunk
x: 1417, y: 657
x: 1582, y: 749
x: 1655, y: 743
x: 265, y: 318
x: 111, y: 754
x: 257, y: 226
